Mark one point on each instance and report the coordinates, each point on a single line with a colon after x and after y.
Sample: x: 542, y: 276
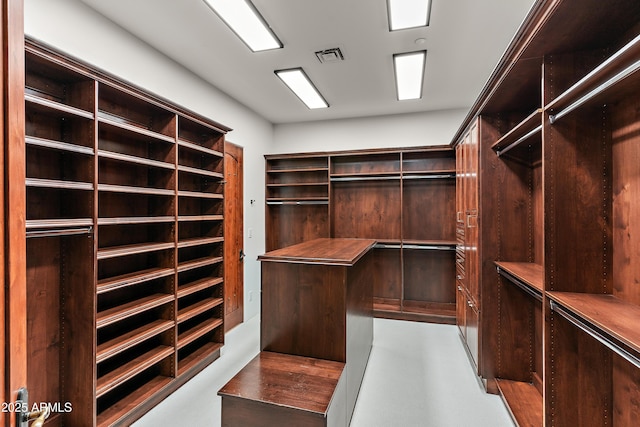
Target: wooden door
x: 13, y: 318
x: 233, y: 236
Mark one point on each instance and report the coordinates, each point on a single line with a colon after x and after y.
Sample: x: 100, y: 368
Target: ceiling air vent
x: 328, y: 56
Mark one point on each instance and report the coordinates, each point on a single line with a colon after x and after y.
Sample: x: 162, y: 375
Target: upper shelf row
x: 57, y: 93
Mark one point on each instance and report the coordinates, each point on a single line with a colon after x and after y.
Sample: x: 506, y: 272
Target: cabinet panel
x: 366, y: 209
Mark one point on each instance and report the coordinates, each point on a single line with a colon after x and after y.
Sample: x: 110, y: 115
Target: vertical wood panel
x: 14, y: 201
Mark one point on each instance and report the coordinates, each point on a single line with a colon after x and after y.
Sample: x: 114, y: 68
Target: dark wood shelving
x: 608, y: 316
x: 198, y: 285
x: 197, y: 263
x: 115, y: 314
x: 529, y: 274
x: 375, y: 194
x: 135, y: 220
x: 111, y: 120
x: 58, y: 184
x: 135, y: 190
x: 124, y: 250
x: 38, y: 102
x: 134, y: 159
x: 609, y: 75
x: 201, y: 329
x: 58, y: 223
x: 193, y: 359
x: 58, y: 145
x: 200, y: 195
x: 126, y: 341
x: 110, y: 172
x: 202, y: 172
x: 199, y: 241
x: 520, y: 133
x: 200, y: 218
x: 198, y: 308
x: 130, y: 279
x: 138, y: 397
x: 298, y: 170
x: 524, y: 402
x: 196, y: 147
x: 117, y: 377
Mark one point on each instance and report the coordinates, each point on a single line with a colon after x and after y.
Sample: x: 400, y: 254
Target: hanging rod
x: 598, y: 90
x: 522, y: 285
x: 602, y: 339
x: 300, y: 202
x: 57, y: 232
x: 435, y: 176
x: 387, y: 246
x: 519, y: 141
x: 430, y: 247
x: 365, y: 178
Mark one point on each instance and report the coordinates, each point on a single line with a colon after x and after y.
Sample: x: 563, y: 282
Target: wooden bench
x: 276, y: 389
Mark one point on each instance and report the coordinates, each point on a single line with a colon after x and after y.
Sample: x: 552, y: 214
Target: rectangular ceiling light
x: 409, y: 68
x: 408, y: 13
x: 296, y: 79
x: 244, y: 20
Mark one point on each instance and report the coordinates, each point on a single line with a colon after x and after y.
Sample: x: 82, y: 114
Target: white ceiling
x: 464, y: 41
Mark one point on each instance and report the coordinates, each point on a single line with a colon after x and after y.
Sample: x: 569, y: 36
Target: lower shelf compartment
x: 208, y: 352
x: 121, y: 409
x: 433, y: 313
x: 523, y: 400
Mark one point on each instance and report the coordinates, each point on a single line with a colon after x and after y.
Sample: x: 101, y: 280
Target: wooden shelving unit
x: 402, y: 198
x: 125, y: 236
x: 558, y: 197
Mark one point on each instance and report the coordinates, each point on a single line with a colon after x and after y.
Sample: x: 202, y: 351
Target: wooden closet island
x: 317, y: 302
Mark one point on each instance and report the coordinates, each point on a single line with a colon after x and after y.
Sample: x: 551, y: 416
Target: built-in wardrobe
x: 558, y: 198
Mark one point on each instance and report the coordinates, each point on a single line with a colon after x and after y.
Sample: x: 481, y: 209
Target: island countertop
x: 322, y: 251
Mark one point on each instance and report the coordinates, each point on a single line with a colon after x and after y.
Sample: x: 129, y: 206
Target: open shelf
x: 199, y: 241
x: 136, y: 398
x: 133, y: 159
x: 126, y: 250
x: 200, y: 307
x: 610, y: 320
x: 37, y: 103
x: 58, y: 184
x: 115, y: 314
x: 126, y: 341
x: 57, y: 145
x: 521, y: 133
x: 199, y: 148
x: 197, y: 171
x: 197, y: 263
x: 524, y: 402
x: 130, y: 279
x: 616, y: 74
x: 198, y: 285
x: 193, y: 359
x: 527, y: 275
x: 118, y: 376
x: 201, y: 329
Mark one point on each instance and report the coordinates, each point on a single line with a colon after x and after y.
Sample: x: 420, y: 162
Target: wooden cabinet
x: 403, y: 198
x: 558, y: 260
x: 124, y: 242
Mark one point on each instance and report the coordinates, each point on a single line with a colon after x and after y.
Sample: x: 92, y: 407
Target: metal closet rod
x: 519, y: 141
x: 598, y: 90
x: 522, y: 285
x: 629, y: 46
x: 59, y: 232
x: 300, y: 202
x: 365, y: 178
x: 588, y: 329
x: 413, y: 246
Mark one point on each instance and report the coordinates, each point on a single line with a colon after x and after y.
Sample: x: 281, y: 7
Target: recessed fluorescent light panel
x: 244, y: 20
x: 408, y: 13
x: 409, y: 68
x: 296, y: 79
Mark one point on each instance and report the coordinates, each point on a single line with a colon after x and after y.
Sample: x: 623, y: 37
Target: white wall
x: 405, y: 130
x: 72, y: 27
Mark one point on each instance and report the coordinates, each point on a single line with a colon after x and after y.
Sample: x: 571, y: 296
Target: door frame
x: 234, y: 203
